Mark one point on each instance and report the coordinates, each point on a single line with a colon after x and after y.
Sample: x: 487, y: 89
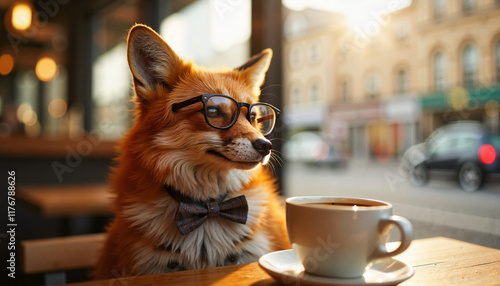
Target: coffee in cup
x: 339, y: 237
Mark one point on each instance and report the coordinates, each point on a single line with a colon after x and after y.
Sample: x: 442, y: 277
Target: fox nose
x: 263, y: 146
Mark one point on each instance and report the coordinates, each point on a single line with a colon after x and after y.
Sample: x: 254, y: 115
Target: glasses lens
x: 263, y: 118
x: 221, y: 111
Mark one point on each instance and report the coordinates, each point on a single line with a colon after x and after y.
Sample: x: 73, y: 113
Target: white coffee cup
x: 341, y: 239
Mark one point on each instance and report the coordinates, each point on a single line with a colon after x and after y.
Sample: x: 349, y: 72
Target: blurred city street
x: 440, y: 208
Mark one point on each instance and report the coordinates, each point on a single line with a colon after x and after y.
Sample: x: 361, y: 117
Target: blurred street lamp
x: 22, y: 15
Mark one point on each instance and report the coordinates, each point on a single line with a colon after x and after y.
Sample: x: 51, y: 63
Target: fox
x: 191, y: 186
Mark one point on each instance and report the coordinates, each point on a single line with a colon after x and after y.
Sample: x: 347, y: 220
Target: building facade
x: 400, y: 75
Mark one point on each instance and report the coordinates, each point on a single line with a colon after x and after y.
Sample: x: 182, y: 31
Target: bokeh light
x: 46, y: 69
x: 458, y: 98
x: 21, y: 16
x: 21, y: 110
x: 320, y: 151
x: 27, y: 115
x: 487, y: 154
x: 6, y: 64
x: 492, y: 108
x: 57, y: 107
x: 30, y: 118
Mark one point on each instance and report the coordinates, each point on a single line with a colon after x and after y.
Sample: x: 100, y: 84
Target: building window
x: 295, y: 96
x: 295, y: 57
x: 468, y: 5
x: 403, y: 30
x: 497, y: 52
x: 439, y: 69
x: 439, y: 9
x: 345, y: 92
x: 373, y: 86
x: 470, y: 64
x: 314, y: 53
x: 314, y: 93
x: 402, y: 84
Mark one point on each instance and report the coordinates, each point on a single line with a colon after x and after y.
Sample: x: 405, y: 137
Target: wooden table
x: 67, y: 200
x: 437, y: 261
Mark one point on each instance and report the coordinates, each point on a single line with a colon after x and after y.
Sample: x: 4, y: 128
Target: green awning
x: 477, y: 98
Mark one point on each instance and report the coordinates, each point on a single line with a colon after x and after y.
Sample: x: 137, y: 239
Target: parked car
x: 465, y: 148
x: 312, y: 148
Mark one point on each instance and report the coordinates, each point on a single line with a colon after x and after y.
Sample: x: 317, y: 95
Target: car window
x: 459, y: 143
x: 467, y: 144
x: 443, y: 146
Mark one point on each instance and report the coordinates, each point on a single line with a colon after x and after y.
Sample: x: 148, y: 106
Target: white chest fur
x: 209, y: 245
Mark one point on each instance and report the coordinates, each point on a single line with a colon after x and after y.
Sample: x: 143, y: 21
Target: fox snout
x: 263, y: 146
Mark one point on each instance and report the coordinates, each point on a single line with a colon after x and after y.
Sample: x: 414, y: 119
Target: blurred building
x: 308, y: 59
x: 401, y: 73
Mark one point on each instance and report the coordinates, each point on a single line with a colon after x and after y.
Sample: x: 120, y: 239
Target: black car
x: 464, y: 148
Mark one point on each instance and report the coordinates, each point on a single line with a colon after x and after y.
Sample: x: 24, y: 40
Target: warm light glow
x: 359, y: 19
x: 458, y: 98
x: 492, y: 108
x: 57, y: 107
x: 30, y: 118
x: 46, y: 69
x: 21, y: 16
x: 21, y: 110
x: 6, y: 64
x: 26, y: 115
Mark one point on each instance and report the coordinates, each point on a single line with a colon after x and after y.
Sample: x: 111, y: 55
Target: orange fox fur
x: 166, y: 147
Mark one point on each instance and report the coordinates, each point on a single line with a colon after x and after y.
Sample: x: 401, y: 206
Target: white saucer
x: 286, y: 268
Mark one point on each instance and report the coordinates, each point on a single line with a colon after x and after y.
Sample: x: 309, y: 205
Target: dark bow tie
x: 191, y: 214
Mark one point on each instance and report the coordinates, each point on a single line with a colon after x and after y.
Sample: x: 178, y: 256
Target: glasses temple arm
x: 177, y: 106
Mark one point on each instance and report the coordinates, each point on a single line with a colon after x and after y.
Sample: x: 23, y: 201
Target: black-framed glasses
x: 222, y: 111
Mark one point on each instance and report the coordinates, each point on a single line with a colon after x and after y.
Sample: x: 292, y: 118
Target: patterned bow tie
x: 191, y: 214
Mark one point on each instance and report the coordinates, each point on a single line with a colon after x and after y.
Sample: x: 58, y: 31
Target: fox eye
x: 253, y: 117
x: 213, y: 111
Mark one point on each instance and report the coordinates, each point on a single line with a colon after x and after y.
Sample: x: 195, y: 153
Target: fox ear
x: 151, y: 61
x: 255, y: 68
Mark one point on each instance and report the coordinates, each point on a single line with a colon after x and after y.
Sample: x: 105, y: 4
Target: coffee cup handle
x: 406, y: 230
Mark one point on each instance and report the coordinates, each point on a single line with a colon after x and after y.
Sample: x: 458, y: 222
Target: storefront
x: 477, y: 104
x: 402, y: 114
x: 356, y: 139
